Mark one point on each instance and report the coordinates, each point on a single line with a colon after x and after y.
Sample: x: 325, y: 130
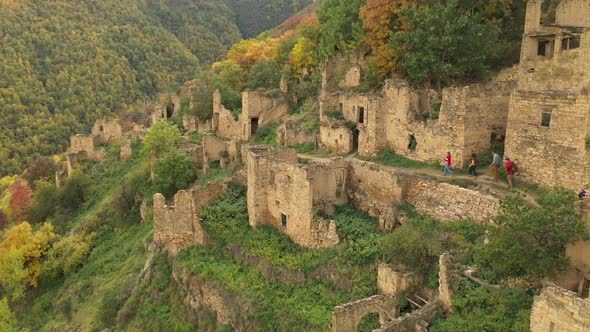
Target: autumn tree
x: 21, y: 254
x: 381, y: 20
x: 20, y: 201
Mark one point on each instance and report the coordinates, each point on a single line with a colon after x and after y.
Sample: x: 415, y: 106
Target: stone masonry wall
x: 107, y: 131
x: 281, y: 194
x: 556, y: 309
x: 551, y: 156
x: 178, y: 226
x: 376, y: 189
x: 224, y: 123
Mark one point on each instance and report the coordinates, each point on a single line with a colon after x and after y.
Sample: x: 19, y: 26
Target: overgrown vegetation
x: 267, y: 134
x: 388, y: 157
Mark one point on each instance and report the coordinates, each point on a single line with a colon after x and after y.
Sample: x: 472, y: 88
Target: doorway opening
x: 355, y: 139
x: 253, y: 125
x: 361, y: 115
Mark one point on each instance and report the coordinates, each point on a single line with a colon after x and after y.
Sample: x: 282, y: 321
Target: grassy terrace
x: 281, y: 306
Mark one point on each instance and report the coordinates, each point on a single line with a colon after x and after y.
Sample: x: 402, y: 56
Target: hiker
x: 495, y: 166
x: 473, y: 165
x: 448, y: 163
x: 511, y: 169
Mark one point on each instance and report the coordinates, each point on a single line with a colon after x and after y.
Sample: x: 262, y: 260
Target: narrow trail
x: 484, y: 182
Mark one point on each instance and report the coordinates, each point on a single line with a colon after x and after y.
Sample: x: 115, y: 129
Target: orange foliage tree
x: 20, y: 201
x: 380, y: 21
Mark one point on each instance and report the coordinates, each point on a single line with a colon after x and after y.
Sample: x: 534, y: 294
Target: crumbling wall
x: 178, y: 226
x: 261, y: 105
x: 557, y: 309
x: 281, y: 194
x: 290, y: 133
x: 554, y: 155
x: 126, y: 150
x: 346, y: 317
x: 214, y: 148
x: 107, y: 131
x: 337, y: 138
x: 82, y: 148
x: 193, y: 123
x: 375, y: 188
x: 416, y: 321
x: 391, y: 281
x: 224, y: 123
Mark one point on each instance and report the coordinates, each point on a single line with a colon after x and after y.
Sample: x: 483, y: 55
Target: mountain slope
x: 63, y: 64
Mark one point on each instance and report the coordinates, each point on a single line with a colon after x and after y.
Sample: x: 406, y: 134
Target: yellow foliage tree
x: 21, y: 254
x: 303, y: 55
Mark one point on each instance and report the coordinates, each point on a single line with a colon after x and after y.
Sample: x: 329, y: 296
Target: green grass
x: 216, y: 174
x: 267, y: 135
x: 388, y: 157
x: 307, y: 148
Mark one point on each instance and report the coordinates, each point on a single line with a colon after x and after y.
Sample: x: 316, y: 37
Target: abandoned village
x: 539, y: 110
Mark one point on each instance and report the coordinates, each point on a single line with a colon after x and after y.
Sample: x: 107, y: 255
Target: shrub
x: 522, y: 246
x: 265, y: 74
x: 68, y: 254
x: 174, y: 172
x: 74, y: 192
x: 267, y: 135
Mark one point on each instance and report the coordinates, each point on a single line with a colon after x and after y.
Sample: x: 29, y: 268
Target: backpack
x: 514, y: 168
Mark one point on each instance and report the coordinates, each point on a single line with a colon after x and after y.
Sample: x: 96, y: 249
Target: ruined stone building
x: 259, y: 108
x: 83, y: 148
x: 289, y: 196
x: 549, y: 120
x: 219, y: 151
x: 557, y: 309
x: 107, y: 131
x: 417, y: 124
x: 178, y: 226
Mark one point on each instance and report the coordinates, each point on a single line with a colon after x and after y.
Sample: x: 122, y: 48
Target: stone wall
x: 557, y: 309
x: 259, y: 108
x: 107, y: 131
x: 392, y: 119
x: 224, y: 123
x: 214, y: 148
x: 391, y: 281
x: 287, y: 195
x: 126, y: 150
x: 346, y: 317
x: 377, y: 189
x: 290, y: 133
x: 192, y: 123
x: 573, y: 12
x: 178, y: 226
x: 554, y: 155
x: 82, y: 148
x: 417, y: 321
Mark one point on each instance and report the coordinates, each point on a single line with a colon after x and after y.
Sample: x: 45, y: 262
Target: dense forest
x: 64, y: 64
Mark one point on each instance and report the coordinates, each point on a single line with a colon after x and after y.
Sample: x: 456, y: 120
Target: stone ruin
x: 178, y: 226
x: 413, y: 122
x: 224, y: 152
x: 83, y: 147
x: 259, y: 108
x: 557, y: 309
x: 548, y: 132
x: 395, y: 285
x: 289, y: 195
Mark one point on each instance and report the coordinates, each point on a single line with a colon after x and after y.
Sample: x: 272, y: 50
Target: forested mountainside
x: 255, y: 16
x: 64, y: 64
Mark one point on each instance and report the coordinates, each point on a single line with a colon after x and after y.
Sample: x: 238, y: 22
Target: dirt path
x: 484, y: 182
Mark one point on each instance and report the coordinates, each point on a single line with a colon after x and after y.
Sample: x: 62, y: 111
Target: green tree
x: 441, y: 43
x: 8, y: 322
x: 74, y: 192
x: 265, y: 74
x: 487, y: 309
x: 46, y: 200
x: 340, y: 26
x: 530, y: 241
x: 173, y: 172
x: 161, y: 139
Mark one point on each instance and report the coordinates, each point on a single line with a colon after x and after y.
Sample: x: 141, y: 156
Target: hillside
x: 64, y: 64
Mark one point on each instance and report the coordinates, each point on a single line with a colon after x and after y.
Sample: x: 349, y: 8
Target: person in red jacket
x: 448, y: 164
x: 511, y: 169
